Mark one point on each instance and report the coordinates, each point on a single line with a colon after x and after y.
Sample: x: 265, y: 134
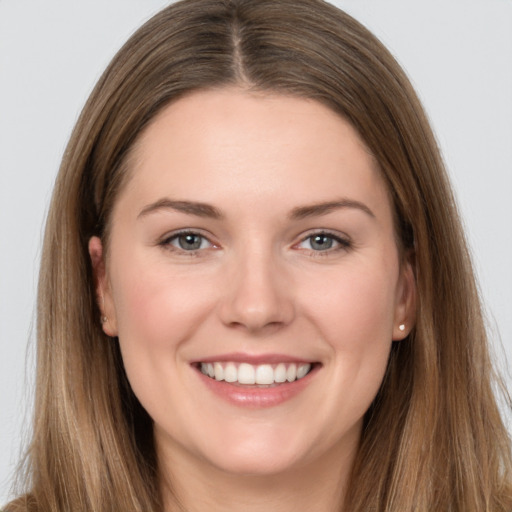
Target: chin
x: 257, y: 456
x: 256, y: 465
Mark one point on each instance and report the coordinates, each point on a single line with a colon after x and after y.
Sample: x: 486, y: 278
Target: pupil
x: 190, y: 242
x: 321, y: 242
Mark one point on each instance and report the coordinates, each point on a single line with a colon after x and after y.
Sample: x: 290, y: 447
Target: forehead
x: 228, y: 145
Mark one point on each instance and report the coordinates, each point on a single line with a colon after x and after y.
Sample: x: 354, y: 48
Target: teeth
x: 291, y: 373
x: 280, y: 373
x: 219, y: 371
x: 230, y: 373
x: 263, y: 374
x: 302, y: 371
x: 246, y: 374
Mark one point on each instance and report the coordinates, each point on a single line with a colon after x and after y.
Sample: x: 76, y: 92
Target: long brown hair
x: 433, y: 439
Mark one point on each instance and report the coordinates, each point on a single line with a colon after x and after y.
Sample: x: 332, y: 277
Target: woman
x: 255, y: 293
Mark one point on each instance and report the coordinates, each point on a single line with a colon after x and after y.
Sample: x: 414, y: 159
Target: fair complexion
x: 254, y: 232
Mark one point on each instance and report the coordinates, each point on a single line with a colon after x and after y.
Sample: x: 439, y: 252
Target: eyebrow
x: 319, y: 209
x: 209, y: 211
x: 188, y: 207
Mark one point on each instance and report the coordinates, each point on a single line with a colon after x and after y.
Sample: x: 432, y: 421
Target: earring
x: 402, y: 327
x: 104, y: 319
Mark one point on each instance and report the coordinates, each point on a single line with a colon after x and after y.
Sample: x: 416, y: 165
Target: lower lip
x: 256, y: 397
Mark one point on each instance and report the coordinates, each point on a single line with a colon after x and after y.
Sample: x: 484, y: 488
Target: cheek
x: 155, y: 308
x: 356, y: 319
x: 157, y: 311
x: 358, y: 304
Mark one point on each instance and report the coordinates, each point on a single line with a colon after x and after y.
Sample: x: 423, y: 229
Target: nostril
x: 260, y: 328
x: 257, y: 315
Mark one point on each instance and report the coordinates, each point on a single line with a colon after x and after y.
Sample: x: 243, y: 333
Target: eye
x: 188, y: 241
x: 322, y: 242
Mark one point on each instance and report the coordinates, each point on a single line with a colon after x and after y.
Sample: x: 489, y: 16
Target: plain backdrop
x: 458, y: 55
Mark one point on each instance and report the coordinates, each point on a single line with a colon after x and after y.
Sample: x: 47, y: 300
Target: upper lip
x: 254, y: 359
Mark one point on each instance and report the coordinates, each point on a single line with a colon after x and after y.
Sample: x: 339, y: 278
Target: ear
x: 102, y: 286
x: 405, y: 304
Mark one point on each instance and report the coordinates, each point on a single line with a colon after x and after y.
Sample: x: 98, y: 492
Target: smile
x: 256, y: 381
x: 248, y: 374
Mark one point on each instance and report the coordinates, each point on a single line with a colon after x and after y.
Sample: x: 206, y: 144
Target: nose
x: 258, y: 296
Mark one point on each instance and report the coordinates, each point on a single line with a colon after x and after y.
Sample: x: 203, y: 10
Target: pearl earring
x: 402, y: 327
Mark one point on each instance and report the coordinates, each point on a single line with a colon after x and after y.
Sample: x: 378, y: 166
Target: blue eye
x: 321, y: 242
x: 187, y: 241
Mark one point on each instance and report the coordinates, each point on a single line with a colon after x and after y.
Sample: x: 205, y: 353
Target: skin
x: 256, y: 286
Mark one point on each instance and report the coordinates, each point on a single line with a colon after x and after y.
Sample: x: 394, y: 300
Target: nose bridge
x: 257, y: 295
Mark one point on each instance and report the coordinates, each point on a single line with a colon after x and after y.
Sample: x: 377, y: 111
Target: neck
x: 195, y: 486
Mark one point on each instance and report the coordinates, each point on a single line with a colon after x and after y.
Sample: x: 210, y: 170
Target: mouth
x: 259, y: 376
x: 256, y: 381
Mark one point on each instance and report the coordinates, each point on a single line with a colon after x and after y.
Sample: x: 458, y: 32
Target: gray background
x: 457, y: 53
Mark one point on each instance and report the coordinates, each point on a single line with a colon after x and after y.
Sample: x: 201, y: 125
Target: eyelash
x: 344, y: 244
x: 166, y: 242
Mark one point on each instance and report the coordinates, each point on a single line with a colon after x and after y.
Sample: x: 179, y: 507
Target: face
x: 254, y: 281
